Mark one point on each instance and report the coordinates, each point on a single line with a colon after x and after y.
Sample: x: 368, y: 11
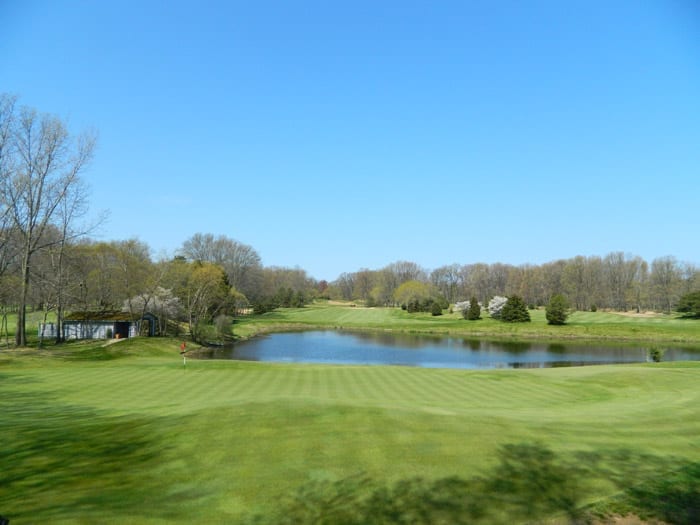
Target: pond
x: 353, y: 348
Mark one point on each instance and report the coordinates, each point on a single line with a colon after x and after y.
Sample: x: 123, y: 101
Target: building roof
x: 99, y: 316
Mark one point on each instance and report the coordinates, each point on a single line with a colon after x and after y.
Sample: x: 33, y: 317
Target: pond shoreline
x: 486, y: 334
x: 385, y: 348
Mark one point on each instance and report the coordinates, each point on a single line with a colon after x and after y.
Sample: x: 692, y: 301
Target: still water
x: 351, y: 348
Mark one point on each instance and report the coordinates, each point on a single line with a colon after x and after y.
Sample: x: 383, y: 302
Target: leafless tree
x: 8, y: 238
x: 447, y: 280
x: 240, y: 262
x: 345, y: 284
x: 666, y: 279
x: 40, y: 167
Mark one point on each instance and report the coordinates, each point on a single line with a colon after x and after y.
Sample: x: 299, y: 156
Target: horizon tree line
x: 616, y: 281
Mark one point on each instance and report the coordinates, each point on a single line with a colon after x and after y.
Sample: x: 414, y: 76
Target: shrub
x: 557, y: 310
x: 515, y: 311
x: 655, y: 354
x: 414, y: 306
x: 444, y: 303
x: 264, y: 305
x: 427, y: 304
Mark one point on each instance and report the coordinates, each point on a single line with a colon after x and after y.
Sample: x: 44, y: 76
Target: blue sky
x: 336, y: 136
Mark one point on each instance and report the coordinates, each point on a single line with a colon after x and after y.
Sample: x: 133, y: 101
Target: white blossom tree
x: 162, y: 303
x: 496, y: 306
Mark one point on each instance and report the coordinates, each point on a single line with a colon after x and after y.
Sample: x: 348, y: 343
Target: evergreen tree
x: 557, y: 310
x: 474, y: 311
x: 690, y: 304
x: 515, y: 311
x: 436, y: 309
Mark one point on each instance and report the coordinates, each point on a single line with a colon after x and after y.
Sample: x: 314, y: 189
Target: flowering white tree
x: 496, y: 305
x: 461, y: 306
x: 163, y: 304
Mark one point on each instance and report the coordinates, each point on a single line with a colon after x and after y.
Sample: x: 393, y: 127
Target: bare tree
x: 345, y: 284
x: 7, y: 244
x: 476, y: 277
x: 617, y: 279
x: 399, y: 272
x: 135, y: 274
x: 666, y: 279
x: 40, y: 168
x: 67, y: 230
x: 364, y: 282
x: 240, y: 262
x: 447, y: 280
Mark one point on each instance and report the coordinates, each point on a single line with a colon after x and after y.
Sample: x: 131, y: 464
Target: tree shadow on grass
x: 530, y: 484
x: 672, y: 496
x: 59, y: 461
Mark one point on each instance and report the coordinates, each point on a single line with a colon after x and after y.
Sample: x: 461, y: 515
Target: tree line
x: 616, y: 281
x: 49, y: 263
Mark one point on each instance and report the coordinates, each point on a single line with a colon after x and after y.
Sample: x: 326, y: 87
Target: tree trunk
x: 21, y: 333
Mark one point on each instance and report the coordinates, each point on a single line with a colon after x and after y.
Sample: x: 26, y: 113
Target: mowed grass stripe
x: 407, y: 385
x: 166, y: 387
x: 225, y: 437
x: 606, y: 400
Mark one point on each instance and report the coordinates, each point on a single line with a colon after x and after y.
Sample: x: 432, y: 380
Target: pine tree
x: 556, y: 311
x: 515, y: 311
x: 474, y: 311
x: 689, y: 304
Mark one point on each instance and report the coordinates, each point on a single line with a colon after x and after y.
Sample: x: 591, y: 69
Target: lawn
x: 126, y: 433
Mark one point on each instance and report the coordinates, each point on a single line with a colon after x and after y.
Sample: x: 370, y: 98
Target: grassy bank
x: 125, y: 433
x: 650, y: 328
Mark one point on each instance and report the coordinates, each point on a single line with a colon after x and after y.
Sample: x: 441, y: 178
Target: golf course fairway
x: 128, y: 434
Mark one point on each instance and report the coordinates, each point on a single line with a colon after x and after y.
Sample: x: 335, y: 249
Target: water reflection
x: 381, y: 348
x: 556, y: 348
x: 515, y: 347
x: 473, y: 344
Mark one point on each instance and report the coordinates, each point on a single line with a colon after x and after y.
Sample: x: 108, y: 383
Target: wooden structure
x: 102, y: 325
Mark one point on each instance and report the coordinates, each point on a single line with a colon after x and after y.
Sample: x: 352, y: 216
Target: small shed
x: 107, y: 325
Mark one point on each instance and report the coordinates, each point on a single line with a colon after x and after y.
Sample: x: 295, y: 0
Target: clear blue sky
x: 340, y: 135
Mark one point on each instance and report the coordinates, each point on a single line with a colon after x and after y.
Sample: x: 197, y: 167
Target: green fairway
x: 612, y: 326
x: 127, y: 434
